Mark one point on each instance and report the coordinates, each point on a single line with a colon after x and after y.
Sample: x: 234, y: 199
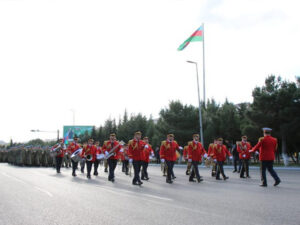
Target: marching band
x: 138, y: 153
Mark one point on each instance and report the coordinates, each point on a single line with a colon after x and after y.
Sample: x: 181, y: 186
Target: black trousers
x: 236, y: 162
x: 170, y: 173
x: 144, y: 170
x: 82, y: 165
x: 220, y: 169
x: 96, y: 165
x: 112, y: 164
x: 74, y: 166
x: 137, y: 168
x: 126, y: 165
x: 245, y: 167
x: 264, y: 165
x: 89, y: 165
x: 58, y: 161
x: 195, y: 170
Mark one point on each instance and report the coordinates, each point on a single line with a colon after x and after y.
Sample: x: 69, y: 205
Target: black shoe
x: 277, y: 182
x: 199, y: 180
x: 225, y: 178
x: 74, y: 174
x: 174, y: 178
x: 139, y: 182
x: 106, y: 171
x: 187, y: 172
x: 242, y: 177
x: 248, y: 176
x: 88, y: 176
x: 234, y: 171
x: 147, y: 178
x: 213, y: 174
x: 218, y: 178
x: 82, y: 171
x: 143, y: 178
x: 263, y: 185
x: 169, y: 181
x: 192, y: 180
x: 127, y: 173
x: 57, y: 171
x: 112, y: 180
x: 135, y: 183
x: 164, y: 175
x: 95, y: 173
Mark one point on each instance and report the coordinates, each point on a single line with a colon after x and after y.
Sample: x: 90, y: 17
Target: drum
x: 76, y: 155
x: 99, y: 156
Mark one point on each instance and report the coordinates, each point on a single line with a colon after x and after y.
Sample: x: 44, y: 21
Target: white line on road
x: 44, y: 191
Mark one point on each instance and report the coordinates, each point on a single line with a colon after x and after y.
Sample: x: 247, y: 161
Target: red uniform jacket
x: 136, y: 149
x: 73, y: 147
x: 220, y: 152
x: 243, y: 149
x: 185, y: 152
x: 146, y: 153
x: 107, y: 146
x: 211, y: 149
x: 62, y: 151
x: 195, y: 151
x: 168, y: 150
x: 267, y: 147
x: 98, y: 150
x: 89, y: 149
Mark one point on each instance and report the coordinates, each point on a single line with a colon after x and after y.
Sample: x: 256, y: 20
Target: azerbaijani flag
x: 196, y: 36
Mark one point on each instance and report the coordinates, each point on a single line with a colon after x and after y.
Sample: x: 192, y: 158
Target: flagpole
x: 204, y: 95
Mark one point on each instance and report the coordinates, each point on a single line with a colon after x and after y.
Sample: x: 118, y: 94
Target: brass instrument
x: 112, y: 151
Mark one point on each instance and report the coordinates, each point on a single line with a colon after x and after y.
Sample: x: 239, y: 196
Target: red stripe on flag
x: 197, y: 33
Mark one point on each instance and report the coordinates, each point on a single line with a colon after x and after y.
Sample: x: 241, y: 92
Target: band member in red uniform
x: 195, y: 153
x: 220, y: 152
x: 74, y: 146
x: 59, y: 148
x: 243, y: 148
x: 168, y: 154
x: 125, y: 160
x: 267, y: 147
x: 147, y: 154
x: 112, y: 161
x: 135, y: 152
x: 210, y: 157
x: 89, y: 153
x: 186, y: 157
x: 98, y: 152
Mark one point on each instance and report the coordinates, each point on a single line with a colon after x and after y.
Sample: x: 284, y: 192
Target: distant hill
x: 2, y: 143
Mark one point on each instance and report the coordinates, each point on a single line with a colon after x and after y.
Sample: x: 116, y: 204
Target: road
x: 39, y: 196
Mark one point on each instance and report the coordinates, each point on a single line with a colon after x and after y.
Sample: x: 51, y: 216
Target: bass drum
x: 76, y: 155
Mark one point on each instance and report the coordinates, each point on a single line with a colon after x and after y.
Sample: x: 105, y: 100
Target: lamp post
x: 200, y: 113
x: 47, y: 131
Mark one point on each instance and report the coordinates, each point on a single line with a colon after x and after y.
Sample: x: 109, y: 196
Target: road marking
x: 44, y: 191
x: 14, y: 178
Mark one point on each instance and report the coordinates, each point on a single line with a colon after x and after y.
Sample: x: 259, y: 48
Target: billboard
x: 71, y: 131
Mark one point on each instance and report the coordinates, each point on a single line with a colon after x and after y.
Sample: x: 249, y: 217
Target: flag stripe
x: 196, y: 36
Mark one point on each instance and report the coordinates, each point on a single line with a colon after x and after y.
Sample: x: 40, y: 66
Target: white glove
x: 146, y: 146
x: 150, y: 157
x: 106, y: 153
x: 130, y: 160
x: 190, y: 160
x: 208, y: 157
x: 244, y: 155
x: 215, y: 160
x: 152, y: 154
x: 162, y: 160
x: 205, y: 155
x: 101, y: 156
x: 180, y: 147
x: 230, y: 157
x: 257, y: 153
x: 121, y: 150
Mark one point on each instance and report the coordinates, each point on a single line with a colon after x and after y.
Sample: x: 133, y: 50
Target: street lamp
x: 47, y: 131
x: 200, y: 113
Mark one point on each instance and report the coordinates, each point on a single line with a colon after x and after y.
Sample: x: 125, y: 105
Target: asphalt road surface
x: 30, y: 196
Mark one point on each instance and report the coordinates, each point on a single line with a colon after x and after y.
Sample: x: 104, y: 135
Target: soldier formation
x: 138, y: 153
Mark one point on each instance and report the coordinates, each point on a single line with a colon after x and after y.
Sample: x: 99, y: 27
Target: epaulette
x: 105, y: 143
x: 260, y: 139
x: 238, y: 143
x: 130, y: 142
x: 163, y: 142
x: 175, y: 142
x: 190, y: 143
